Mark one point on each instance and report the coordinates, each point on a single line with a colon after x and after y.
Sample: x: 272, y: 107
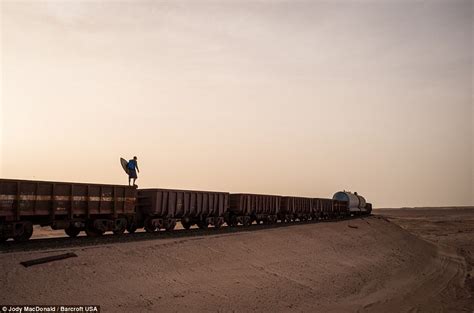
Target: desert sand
x: 362, y: 265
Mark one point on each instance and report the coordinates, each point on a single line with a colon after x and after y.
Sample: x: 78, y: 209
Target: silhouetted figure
x: 132, y: 170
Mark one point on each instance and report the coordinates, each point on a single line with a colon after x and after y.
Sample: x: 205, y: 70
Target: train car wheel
x: 218, y: 224
x: 202, y: 225
x: 170, y: 225
x: 186, y: 225
x: 27, y: 232
x: 233, y: 221
x: 91, y: 231
x: 120, y: 225
x: 72, y: 231
x: 131, y: 227
x: 149, y: 227
x: 119, y: 231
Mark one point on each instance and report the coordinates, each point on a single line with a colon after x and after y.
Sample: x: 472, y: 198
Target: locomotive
x: 98, y: 208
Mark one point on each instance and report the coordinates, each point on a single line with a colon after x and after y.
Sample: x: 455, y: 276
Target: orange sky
x: 285, y: 97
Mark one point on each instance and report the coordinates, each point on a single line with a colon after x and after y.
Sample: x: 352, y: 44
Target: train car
x: 74, y: 207
x: 341, y: 209
x: 162, y: 208
x: 356, y: 203
x: 368, y: 207
x: 293, y: 208
x: 246, y: 208
x: 323, y: 208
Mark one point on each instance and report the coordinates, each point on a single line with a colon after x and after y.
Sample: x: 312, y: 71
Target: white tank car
x: 356, y: 203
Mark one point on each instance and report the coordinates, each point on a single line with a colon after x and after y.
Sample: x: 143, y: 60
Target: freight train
x: 98, y: 208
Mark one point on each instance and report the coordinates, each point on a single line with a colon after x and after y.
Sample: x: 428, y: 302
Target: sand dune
x: 372, y: 266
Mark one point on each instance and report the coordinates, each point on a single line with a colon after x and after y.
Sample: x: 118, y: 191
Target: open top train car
x: 94, y: 208
x: 161, y: 208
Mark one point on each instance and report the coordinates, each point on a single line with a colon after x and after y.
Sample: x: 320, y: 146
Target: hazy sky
x: 285, y: 97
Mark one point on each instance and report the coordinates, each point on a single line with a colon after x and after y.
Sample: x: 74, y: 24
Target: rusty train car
x: 97, y: 208
x: 74, y: 207
x: 247, y: 208
x: 162, y: 208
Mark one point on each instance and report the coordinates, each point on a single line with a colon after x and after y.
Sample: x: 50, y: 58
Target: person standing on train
x: 132, y: 167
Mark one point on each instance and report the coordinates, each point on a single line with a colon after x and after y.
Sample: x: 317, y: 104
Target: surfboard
x: 124, y: 165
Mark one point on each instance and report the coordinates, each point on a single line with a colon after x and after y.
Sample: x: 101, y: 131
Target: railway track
x: 84, y: 241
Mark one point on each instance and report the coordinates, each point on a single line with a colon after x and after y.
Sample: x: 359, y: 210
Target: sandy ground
x: 364, y: 265
x: 448, y: 228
